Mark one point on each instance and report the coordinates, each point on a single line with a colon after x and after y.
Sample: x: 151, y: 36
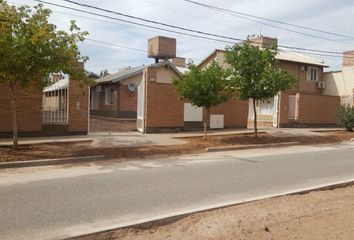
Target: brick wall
x: 348, y: 58
x: 127, y: 102
x: 235, y: 113
x: 317, y: 109
x: 304, y: 86
x: 163, y: 108
x: 29, y: 110
x: 78, y: 107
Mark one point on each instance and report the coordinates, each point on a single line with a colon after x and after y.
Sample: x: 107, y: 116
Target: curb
x: 167, y: 219
x: 41, y: 141
x: 48, y: 162
x: 251, y: 146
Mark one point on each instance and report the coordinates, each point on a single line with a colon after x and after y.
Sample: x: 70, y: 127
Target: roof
x: 92, y: 75
x: 165, y: 63
x: 61, y: 84
x: 285, y: 55
x: 121, y: 75
x: 127, y: 73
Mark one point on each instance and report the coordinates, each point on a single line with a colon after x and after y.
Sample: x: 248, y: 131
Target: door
x: 292, y: 107
x: 216, y: 121
x: 275, y: 111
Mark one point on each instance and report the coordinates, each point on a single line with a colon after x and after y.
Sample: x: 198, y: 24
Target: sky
x: 335, y: 16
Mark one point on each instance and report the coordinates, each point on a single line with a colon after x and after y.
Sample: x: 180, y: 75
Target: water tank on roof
x: 162, y: 48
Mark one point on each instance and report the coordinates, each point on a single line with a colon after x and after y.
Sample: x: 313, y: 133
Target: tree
x: 254, y: 75
x: 203, y: 87
x: 345, y: 115
x: 31, y: 48
x: 104, y: 72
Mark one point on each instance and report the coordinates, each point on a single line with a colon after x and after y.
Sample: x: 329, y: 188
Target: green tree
x: 104, y: 72
x: 346, y: 117
x: 205, y: 87
x: 31, y: 48
x: 254, y: 75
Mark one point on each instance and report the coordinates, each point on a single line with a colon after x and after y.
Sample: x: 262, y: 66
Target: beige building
x: 341, y: 83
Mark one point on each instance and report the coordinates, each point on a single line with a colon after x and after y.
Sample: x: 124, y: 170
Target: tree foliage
x: 254, y: 74
x: 205, y: 87
x: 31, y: 48
x: 346, y: 117
x: 104, y: 72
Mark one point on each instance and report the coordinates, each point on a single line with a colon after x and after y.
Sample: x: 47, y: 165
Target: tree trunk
x: 205, y: 124
x: 255, y: 118
x: 14, y: 117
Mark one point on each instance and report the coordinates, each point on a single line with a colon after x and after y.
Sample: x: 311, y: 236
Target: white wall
x: 339, y: 83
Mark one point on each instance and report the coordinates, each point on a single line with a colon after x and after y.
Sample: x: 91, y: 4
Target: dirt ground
x: 322, y: 215
x: 99, y: 124
x: 194, y: 145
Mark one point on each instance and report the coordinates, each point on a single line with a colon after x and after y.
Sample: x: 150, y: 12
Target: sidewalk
x: 104, y: 139
x: 135, y: 139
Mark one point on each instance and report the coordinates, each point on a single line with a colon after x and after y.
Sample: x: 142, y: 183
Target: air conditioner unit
x: 321, y: 84
x: 99, y: 88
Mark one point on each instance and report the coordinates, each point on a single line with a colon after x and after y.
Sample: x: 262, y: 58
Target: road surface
x: 59, y: 201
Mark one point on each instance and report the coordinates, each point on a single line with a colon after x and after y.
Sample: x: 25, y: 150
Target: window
x: 109, y: 96
x: 312, y: 73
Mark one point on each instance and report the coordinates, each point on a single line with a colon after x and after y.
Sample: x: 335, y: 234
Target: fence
x: 55, y: 103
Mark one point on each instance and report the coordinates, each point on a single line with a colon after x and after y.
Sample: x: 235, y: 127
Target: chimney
x: 179, y: 62
x: 348, y: 58
x: 264, y: 42
x: 161, y: 48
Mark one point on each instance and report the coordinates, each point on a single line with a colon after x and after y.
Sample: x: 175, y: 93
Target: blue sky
x: 329, y: 15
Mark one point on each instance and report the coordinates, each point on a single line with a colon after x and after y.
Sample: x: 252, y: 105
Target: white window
x: 312, y: 73
x: 109, y: 95
x: 192, y: 113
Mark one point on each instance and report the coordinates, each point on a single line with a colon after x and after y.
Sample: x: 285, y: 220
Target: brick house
x: 60, y: 109
x: 305, y: 105
x: 115, y: 95
x: 160, y: 109
x: 147, y: 94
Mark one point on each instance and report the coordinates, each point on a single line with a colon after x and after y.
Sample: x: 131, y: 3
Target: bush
x: 346, y: 117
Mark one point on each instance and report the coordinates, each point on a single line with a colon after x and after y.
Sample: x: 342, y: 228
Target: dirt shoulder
x: 324, y: 215
x: 193, y: 145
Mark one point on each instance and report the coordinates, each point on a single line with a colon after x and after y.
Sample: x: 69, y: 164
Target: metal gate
x: 55, y: 102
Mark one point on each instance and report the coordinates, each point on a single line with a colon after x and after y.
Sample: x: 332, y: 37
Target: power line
x: 144, y: 51
x: 267, y: 19
x: 151, y: 21
x: 116, y: 45
x: 135, y: 23
x: 177, y: 32
x: 173, y: 26
x: 249, y: 19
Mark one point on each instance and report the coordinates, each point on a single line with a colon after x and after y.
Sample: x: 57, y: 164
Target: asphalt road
x: 55, y: 202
